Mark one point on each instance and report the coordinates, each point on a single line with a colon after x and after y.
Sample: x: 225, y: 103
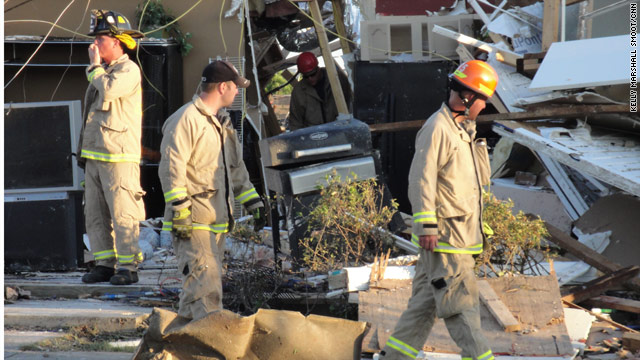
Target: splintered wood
x: 378, y: 267
x: 533, y: 301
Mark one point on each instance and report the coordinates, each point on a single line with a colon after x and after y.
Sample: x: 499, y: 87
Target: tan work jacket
x: 307, y: 109
x: 445, y: 183
x: 201, y: 160
x: 112, y: 116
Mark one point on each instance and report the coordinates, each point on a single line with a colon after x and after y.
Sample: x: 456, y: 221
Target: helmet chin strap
x: 468, y: 103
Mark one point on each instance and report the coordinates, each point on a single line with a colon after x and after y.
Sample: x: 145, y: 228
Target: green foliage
x: 155, y: 17
x: 276, y: 81
x: 343, y: 225
x: 515, y: 245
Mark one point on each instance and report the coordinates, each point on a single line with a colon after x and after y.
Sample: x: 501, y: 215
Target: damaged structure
x: 565, y: 141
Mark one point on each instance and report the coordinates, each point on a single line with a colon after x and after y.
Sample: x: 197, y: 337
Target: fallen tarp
x: 268, y: 334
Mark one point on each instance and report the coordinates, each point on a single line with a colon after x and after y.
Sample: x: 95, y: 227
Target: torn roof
x: 611, y: 158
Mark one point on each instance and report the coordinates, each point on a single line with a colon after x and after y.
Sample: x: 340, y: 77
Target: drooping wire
x: 144, y: 9
x: 86, y: 9
x: 40, y: 45
x: 174, y: 20
x: 49, y: 23
x: 15, y: 6
x: 224, y: 43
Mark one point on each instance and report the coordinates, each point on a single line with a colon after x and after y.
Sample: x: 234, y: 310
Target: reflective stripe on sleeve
x: 167, y: 226
x: 247, y: 195
x: 425, y: 217
x: 97, y: 71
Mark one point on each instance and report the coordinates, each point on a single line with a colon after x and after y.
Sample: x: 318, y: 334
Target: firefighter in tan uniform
x: 312, y: 101
x: 110, y: 151
x: 449, y: 168
x: 202, y: 172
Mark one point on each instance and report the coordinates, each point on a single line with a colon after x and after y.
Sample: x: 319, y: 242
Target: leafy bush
x: 155, y: 17
x: 344, y: 225
x: 516, y: 243
x: 276, y: 81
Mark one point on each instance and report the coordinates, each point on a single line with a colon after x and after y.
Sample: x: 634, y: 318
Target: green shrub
x: 343, y: 225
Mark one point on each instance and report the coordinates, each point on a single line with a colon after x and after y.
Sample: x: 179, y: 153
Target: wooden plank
x: 611, y: 302
x: 540, y: 113
x: 497, y: 307
x: 556, y: 112
x: 599, y: 317
x: 264, y: 48
x: 550, y: 23
x: 600, y: 285
x: 329, y: 64
x: 586, y: 254
x: 631, y: 341
x: 338, y: 18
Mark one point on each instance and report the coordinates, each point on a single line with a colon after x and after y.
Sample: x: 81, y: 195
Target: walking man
x: 449, y: 168
x: 110, y: 150
x: 202, y: 172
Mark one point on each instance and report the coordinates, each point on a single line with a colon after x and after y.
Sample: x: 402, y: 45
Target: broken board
x: 608, y: 157
x: 534, y: 301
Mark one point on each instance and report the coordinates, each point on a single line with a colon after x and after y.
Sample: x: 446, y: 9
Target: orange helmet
x: 306, y: 62
x: 477, y: 76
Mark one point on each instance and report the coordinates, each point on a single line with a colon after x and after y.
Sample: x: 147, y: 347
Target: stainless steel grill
x: 299, y: 161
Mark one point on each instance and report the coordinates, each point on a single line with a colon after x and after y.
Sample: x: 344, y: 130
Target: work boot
x: 98, y: 274
x: 124, y: 277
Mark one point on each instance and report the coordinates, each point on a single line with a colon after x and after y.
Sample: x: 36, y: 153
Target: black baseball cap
x: 221, y: 71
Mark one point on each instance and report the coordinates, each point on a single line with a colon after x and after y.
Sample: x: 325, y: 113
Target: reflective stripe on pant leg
x: 402, y: 347
x: 486, y: 356
x: 98, y: 218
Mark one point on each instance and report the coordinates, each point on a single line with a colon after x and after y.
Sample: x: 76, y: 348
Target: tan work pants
x: 113, y: 209
x: 200, y: 262
x: 457, y: 303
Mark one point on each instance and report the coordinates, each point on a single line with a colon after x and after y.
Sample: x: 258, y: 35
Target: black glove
x: 182, y: 227
x: 259, y: 218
